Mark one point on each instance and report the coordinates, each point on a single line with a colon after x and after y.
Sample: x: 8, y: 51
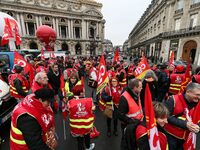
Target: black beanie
x: 45, y: 94
x: 18, y: 69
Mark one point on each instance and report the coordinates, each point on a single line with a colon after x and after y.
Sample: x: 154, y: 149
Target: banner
x: 116, y: 57
x: 171, y: 60
x: 102, y: 75
x: 141, y: 69
x: 152, y: 130
x: 28, y: 69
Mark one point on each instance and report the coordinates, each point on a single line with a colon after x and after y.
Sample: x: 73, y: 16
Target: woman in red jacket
x: 110, y: 97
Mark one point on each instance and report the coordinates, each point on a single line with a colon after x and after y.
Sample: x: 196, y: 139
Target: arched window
x: 29, y: 16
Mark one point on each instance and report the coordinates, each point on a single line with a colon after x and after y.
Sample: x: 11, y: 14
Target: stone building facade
x: 166, y: 26
x: 79, y: 24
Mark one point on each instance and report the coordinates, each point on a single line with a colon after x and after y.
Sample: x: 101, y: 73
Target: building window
x: 30, y: 28
x: 195, y: 1
x: 177, y: 24
x: 62, y: 20
x: 77, y: 32
x: 10, y: 13
x: 193, y: 21
x: 29, y: 16
x: 63, y: 31
x: 47, y: 18
x: 91, y: 32
x: 179, y: 4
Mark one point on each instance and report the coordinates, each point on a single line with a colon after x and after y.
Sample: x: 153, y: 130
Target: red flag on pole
x: 190, y: 143
x: 42, y: 54
x: 28, y: 69
x: 154, y: 142
x: 7, y: 33
x: 116, y: 57
x: 171, y: 60
x: 102, y: 75
x: 141, y: 69
x: 17, y: 36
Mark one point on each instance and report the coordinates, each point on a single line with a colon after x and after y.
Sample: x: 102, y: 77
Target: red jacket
x: 176, y: 80
x: 44, y: 117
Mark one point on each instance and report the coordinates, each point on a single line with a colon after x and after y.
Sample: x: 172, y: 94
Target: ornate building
x: 79, y: 24
x: 107, y: 45
x: 166, y: 26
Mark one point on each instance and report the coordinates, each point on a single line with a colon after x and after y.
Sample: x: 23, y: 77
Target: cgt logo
x: 0, y: 91
x: 140, y: 69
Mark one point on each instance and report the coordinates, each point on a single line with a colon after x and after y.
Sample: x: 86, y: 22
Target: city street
x: 101, y: 143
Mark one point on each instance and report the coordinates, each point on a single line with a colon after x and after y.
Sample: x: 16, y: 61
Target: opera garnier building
x: 79, y: 24
x: 166, y: 26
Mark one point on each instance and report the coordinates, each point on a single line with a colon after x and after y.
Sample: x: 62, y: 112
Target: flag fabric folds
x: 102, y: 75
x: 28, y: 69
x: 141, y: 68
x: 7, y: 33
x: 152, y: 130
x: 116, y: 57
x: 190, y: 143
x: 171, y: 60
x: 11, y: 30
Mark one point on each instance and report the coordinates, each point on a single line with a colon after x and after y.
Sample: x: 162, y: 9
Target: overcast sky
x: 121, y: 16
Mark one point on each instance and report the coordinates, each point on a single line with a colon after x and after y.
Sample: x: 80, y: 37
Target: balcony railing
x: 195, y: 5
x: 182, y: 31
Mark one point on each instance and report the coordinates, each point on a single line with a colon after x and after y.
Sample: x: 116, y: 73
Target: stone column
x: 69, y: 29
x: 54, y: 24
x: 40, y: 20
x: 27, y: 30
x: 57, y: 28
x: 87, y: 30
x: 20, y: 26
x: 83, y: 29
x: 72, y: 29
x: 23, y: 25
x: 97, y: 29
x: 37, y: 21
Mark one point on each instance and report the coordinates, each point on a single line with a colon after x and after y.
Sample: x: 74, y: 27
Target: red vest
x: 131, y: 70
x: 179, y: 108
x: 115, y: 93
x: 176, y: 81
x: 36, y: 86
x: 135, y: 110
x: 44, y: 116
x: 13, y: 91
x: 81, y: 118
x: 197, y: 78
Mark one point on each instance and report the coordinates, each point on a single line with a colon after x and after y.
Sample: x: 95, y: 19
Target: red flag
x: 7, y: 33
x: 42, y: 54
x: 190, y: 143
x: 171, y: 60
x: 17, y: 36
x: 154, y: 142
x: 103, y: 75
x: 187, y: 78
x: 52, y: 55
x: 116, y: 57
x: 28, y: 69
x: 141, y: 69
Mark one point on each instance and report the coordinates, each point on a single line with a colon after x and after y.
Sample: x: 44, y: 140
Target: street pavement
x: 101, y: 143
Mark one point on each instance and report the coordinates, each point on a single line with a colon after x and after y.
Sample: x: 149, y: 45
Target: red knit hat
x: 179, y: 68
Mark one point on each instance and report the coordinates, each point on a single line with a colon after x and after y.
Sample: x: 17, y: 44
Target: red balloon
x: 47, y: 35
